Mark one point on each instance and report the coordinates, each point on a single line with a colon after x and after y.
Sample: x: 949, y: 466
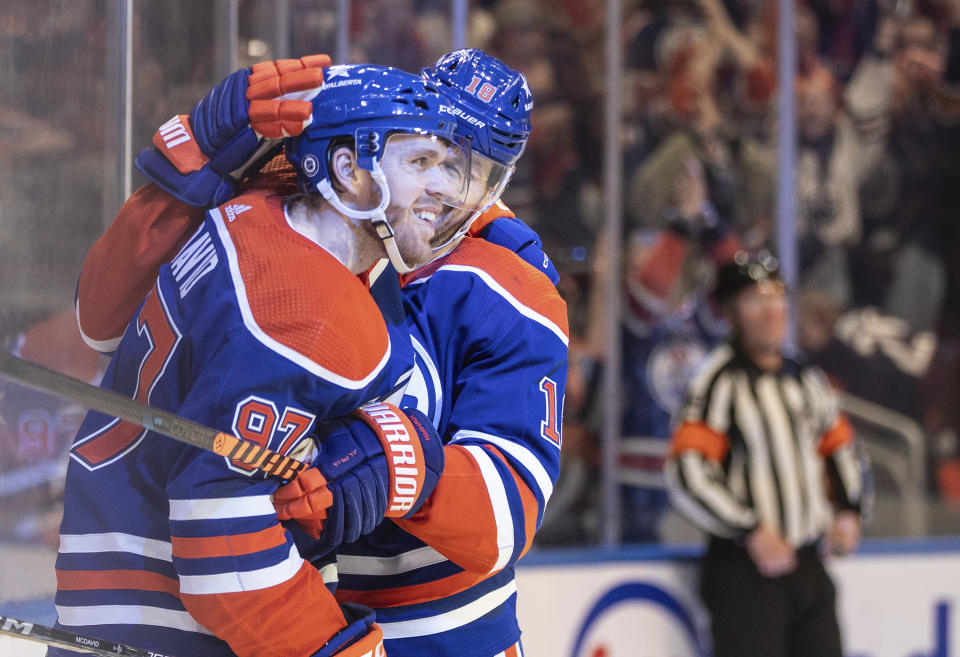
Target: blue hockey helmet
x: 491, y: 103
x: 368, y: 106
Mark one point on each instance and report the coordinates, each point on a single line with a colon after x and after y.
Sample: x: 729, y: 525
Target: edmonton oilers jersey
x: 490, y: 336
x: 660, y: 356
x: 251, y: 329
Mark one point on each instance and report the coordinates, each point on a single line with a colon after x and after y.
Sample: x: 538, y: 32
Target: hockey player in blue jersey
x: 490, y: 335
x: 260, y: 326
x: 490, y: 331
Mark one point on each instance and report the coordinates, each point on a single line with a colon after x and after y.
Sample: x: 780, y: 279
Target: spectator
x: 866, y: 352
x: 668, y: 327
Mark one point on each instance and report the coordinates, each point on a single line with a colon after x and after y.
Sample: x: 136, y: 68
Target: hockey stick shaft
x: 68, y: 640
x: 163, y: 422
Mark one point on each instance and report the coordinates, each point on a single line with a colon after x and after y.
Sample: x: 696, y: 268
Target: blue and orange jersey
x: 490, y: 339
x: 491, y: 335
x: 253, y: 329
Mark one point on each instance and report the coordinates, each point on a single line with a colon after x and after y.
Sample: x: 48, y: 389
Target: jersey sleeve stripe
x: 556, y: 323
x: 513, y: 651
x: 451, y: 619
x: 698, y: 437
x: 688, y: 504
x: 128, y: 615
x: 413, y: 594
x: 220, y: 508
x: 531, y: 511
x: 249, y: 580
x: 849, y: 471
x: 840, y: 434
x: 501, y: 507
x: 516, y: 451
x: 103, y: 346
x: 87, y: 580
x: 400, y: 563
x: 256, y: 622
x: 696, y: 481
x: 254, y: 328
x: 115, y: 542
x: 224, y: 546
x: 459, y: 519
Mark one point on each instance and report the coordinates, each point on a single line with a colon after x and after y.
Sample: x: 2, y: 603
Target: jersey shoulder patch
x: 295, y: 294
x: 507, y: 274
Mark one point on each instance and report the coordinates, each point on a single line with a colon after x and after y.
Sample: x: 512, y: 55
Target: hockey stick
x: 163, y: 422
x: 68, y: 640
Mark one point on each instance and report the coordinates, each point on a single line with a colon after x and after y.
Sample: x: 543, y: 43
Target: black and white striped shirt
x: 754, y: 446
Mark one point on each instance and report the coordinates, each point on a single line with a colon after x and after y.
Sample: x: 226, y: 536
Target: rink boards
x: 895, y: 599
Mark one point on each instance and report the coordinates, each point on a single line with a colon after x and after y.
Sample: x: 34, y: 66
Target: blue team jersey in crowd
x: 251, y: 329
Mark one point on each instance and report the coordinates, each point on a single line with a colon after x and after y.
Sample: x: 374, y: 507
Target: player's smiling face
x: 422, y: 173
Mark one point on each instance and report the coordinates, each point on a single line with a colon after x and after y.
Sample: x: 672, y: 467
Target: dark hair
x: 744, y: 271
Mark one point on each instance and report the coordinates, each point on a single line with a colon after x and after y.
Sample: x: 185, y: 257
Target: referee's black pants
x: 755, y: 616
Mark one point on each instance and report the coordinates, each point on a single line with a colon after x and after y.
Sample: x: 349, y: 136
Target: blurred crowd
x: 878, y: 166
x: 877, y: 303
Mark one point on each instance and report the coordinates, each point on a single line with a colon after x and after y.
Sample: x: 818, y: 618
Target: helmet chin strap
x: 456, y: 238
x: 377, y: 216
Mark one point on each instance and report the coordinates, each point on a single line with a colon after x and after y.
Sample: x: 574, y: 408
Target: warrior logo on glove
x: 379, y: 462
x: 407, y: 473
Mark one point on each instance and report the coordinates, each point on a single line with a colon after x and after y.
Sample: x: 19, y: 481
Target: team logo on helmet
x: 310, y: 164
x: 529, y: 94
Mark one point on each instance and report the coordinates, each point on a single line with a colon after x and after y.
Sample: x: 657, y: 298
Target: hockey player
x: 490, y: 335
x: 260, y: 326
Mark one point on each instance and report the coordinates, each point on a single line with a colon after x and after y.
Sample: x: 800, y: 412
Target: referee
x: 762, y: 460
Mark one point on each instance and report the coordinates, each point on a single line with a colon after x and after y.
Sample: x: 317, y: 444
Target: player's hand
x: 380, y: 462
x: 770, y: 553
x: 844, y: 535
x: 305, y: 499
x: 692, y: 215
x: 234, y: 129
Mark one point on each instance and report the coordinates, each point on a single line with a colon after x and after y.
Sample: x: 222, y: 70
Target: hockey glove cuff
x: 380, y: 462
x: 361, y: 637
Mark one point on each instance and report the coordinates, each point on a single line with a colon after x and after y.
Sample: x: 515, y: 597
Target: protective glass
x: 487, y: 182
x: 416, y: 163
x: 488, y: 179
